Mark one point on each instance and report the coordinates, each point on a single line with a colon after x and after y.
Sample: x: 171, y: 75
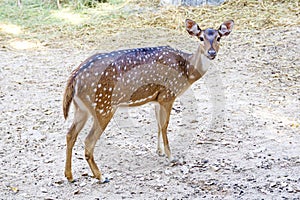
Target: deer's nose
x: 212, y: 52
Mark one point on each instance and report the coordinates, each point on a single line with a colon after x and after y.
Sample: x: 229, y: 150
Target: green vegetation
x: 43, y: 21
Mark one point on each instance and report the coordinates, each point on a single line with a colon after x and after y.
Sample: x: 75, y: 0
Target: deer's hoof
x: 173, y: 161
x: 159, y: 152
x: 69, y: 177
x: 104, y: 180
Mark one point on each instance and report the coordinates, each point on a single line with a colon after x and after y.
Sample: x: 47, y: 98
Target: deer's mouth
x: 211, y: 57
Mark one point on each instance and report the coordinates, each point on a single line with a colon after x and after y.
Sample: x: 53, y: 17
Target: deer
x: 132, y: 77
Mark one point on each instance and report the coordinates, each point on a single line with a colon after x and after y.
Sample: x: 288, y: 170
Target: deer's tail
x: 68, y: 96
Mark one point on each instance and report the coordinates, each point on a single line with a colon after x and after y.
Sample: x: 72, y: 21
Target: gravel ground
x: 235, y: 132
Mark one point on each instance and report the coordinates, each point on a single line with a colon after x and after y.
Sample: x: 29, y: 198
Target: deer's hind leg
x: 80, y: 118
x: 99, y: 125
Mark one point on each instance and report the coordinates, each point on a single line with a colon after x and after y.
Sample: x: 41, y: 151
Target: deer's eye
x: 218, y: 39
x: 201, y: 39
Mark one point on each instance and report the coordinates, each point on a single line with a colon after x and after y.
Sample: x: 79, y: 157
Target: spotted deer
x: 106, y: 81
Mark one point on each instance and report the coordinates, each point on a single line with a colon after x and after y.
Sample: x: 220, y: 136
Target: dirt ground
x: 235, y: 132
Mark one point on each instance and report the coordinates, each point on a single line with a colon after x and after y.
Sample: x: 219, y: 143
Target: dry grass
x: 84, y: 28
x: 134, y: 16
x: 248, y: 15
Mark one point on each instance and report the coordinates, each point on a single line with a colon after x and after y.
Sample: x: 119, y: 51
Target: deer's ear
x: 192, y: 27
x: 226, y: 28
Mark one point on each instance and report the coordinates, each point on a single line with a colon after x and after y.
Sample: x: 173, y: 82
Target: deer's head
x: 209, y: 37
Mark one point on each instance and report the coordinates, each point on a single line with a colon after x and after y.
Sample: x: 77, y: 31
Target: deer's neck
x: 199, y: 64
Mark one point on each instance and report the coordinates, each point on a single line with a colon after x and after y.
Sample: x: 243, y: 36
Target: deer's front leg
x: 164, y: 116
x: 157, y: 114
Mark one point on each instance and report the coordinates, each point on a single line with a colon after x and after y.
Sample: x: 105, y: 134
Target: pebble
x: 82, y: 184
x: 76, y: 192
x: 284, y: 184
x: 25, y: 195
x: 290, y: 189
x: 260, y: 150
x: 215, y: 168
x: 273, y: 184
x: 168, y: 172
x: 184, y: 169
x: 210, y: 182
x: 59, y: 182
x: 219, y: 130
x: 204, y: 161
x: 44, y: 190
x: 49, y: 160
x: 94, y: 181
x: 250, y: 155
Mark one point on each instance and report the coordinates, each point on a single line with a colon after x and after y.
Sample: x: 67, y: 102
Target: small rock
x: 284, y: 184
x: 44, y: 190
x: 94, y: 181
x: 14, y: 189
x: 273, y: 184
x: 49, y: 160
x: 7, y: 184
x: 215, y: 168
x: 139, y: 175
x: 50, y: 184
x: 290, y: 189
x: 48, y: 198
x: 85, y: 174
x: 184, y: 169
x: 168, y: 172
x: 76, y: 192
x: 219, y: 130
x: 250, y: 155
x: 48, y: 112
x: 260, y: 150
x: 210, y: 182
x: 59, y: 182
x: 82, y: 184
x: 204, y: 161
x: 24, y: 194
